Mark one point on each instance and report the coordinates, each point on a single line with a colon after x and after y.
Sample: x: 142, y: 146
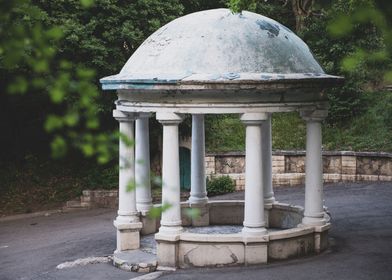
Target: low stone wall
x: 288, y: 167
x: 99, y: 199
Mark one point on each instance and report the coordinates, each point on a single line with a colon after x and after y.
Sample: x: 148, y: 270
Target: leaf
x: 156, y: 211
x: 40, y: 66
x: 349, y: 63
x: 87, y: 149
x: 57, y: 95
x: 71, y: 119
x: 131, y: 186
x: 55, y: 33
x: 18, y: 86
x: 85, y: 73
x: 58, y: 146
x: 52, y: 123
x: 193, y: 213
x: 341, y: 26
x: 388, y: 76
x: 126, y: 140
x: 92, y: 123
x: 86, y: 3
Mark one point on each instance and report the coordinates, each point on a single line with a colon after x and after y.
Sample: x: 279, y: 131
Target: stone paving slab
x: 135, y: 260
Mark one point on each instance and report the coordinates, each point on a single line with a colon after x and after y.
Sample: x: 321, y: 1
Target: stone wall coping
x: 288, y: 207
x: 213, y: 203
x: 302, y: 153
x: 290, y: 233
x: 127, y: 226
x: 215, y: 238
x: 322, y: 228
x: 238, y: 237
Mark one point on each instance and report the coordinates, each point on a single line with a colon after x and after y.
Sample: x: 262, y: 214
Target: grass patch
x: 371, y: 131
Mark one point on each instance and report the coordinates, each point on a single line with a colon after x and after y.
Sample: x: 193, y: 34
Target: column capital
x: 122, y: 116
x: 315, y: 115
x: 254, y: 118
x: 169, y: 118
x: 143, y: 115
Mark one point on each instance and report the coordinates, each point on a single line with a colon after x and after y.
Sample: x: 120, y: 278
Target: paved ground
x: 31, y: 248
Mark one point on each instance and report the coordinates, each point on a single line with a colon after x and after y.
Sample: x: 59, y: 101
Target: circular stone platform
x: 215, y: 238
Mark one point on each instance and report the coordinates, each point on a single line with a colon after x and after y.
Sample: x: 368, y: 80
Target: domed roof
x: 217, y: 45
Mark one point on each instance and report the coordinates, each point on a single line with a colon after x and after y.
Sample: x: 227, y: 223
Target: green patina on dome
x: 219, y: 45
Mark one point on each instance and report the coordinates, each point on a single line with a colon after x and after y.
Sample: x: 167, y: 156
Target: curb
x: 31, y: 215
x: 41, y: 213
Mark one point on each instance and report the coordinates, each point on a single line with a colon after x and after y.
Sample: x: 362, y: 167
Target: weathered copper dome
x: 217, y: 45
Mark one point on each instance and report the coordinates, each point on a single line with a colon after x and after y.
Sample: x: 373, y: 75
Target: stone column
x: 266, y: 152
x: 127, y: 222
x: 198, y: 177
x: 171, y: 216
x: 254, y: 223
x: 314, y: 211
x: 142, y: 168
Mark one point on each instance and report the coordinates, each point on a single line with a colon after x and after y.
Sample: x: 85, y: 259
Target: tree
x: 48, y: 50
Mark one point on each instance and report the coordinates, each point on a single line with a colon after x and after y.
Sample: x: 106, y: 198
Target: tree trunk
x: 301, y: 9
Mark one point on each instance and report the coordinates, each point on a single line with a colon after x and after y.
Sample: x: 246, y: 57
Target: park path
x: 31, y: 248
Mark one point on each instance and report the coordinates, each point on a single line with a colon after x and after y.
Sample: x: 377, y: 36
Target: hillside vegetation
x: 58, y: 135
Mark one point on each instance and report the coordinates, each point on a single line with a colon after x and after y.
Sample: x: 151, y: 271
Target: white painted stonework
x: 217, y: 62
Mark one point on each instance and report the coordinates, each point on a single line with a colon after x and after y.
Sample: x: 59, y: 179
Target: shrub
x: 220, y: 185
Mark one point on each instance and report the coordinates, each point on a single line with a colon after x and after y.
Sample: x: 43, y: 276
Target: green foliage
x: 224, y: 133
x: 102, y: 177
x: 29, y: 184
x: 48, y: 50
x: 220, y: 185
x: 191, y: 6
x: 227, y: 133
x: 237, y: 6
x: 288, y: 131
x: 156, y: 211
x: 371, y: 131
x: 359, y: 55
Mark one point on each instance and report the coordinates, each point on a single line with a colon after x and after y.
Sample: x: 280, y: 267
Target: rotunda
x: 217, y: 62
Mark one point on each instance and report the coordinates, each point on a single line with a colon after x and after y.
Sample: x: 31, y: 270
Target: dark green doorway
x: 185, y: 168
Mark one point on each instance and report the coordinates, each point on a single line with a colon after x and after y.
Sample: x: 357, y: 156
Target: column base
x: 197, y: 200
x: 127, y: 217
x: 144, y: 207
x: 313, y: 221
x: 171, y: 229
x: 254, y: 231
x: 128, y: 236
x: 270, y: 200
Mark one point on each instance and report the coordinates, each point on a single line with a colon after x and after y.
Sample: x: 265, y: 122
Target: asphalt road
x: 361, y: 238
